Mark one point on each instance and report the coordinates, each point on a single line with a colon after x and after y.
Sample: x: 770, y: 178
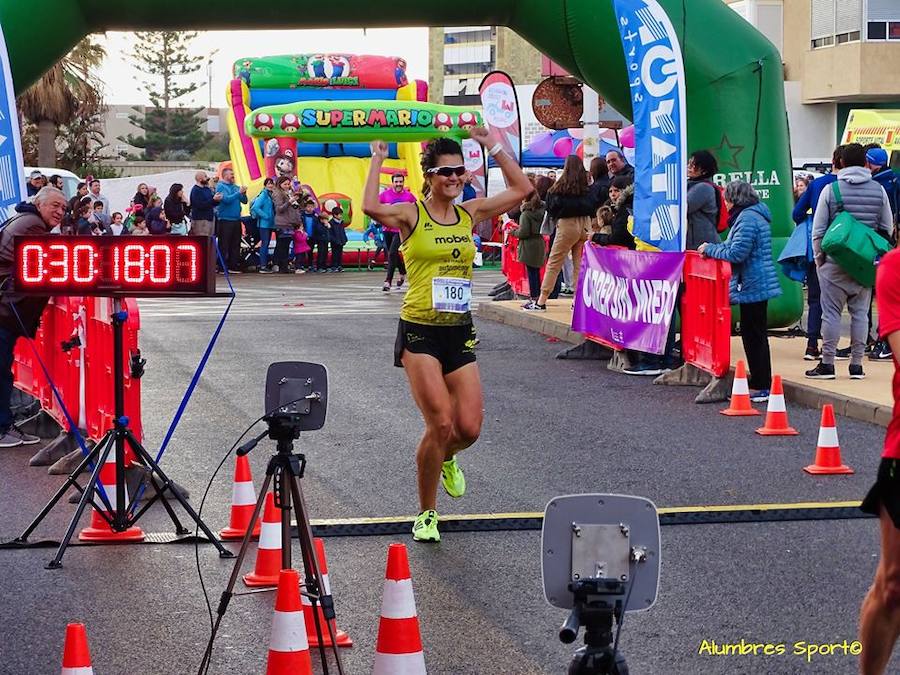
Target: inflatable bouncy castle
x: 330, y: 169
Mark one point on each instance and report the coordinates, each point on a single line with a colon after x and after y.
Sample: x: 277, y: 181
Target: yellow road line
x: 523, y: 515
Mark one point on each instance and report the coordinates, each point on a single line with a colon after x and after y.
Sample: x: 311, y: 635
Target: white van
x: 69, y: 179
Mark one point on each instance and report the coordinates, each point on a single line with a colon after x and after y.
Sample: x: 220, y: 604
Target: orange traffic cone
x: 288, y: 648
x: 100, y: 529
x: 76, y: 656
x: 740, y: 395
x: 776, y: 413
x: 343, y: 640
x: 243, y: 501
x: 828, y: 450
x: 399, y: 645
x: 268, y: 554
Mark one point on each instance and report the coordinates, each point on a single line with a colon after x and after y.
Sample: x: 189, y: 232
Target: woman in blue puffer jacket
x: 753, y: 278
x: 263, y: 209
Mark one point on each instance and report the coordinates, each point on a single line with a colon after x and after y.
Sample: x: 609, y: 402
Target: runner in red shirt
x: 879, y: 621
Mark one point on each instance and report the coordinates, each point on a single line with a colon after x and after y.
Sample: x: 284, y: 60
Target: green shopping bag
x: 853, y: 245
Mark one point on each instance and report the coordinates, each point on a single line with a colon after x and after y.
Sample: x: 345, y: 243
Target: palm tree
x: 64, y: 91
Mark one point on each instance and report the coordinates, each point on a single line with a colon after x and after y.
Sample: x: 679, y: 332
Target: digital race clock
x: 157, y: 265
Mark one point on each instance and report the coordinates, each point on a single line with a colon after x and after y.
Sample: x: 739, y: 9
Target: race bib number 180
x: 450, y: 294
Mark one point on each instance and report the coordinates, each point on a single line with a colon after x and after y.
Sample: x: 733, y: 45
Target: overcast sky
x: 122, y: 79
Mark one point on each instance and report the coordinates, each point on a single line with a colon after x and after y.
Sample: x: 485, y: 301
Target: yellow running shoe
x: 452, y: 479
x: 426, y: 527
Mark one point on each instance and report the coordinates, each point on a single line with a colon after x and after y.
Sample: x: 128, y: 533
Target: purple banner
x: 626, y: 298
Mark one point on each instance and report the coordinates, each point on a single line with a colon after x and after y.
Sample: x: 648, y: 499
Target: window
x: 882, y: 20
x: 877, y: 30
x: 468, y: 68
x: 822, y: 26
x: 841, y: 21
x: 844, y: 38
x: 883, y: 30
x: 468, y: 37
x: 883, y: 10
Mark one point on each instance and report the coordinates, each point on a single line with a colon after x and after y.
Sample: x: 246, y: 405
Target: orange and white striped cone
x: 100, y: 529
x: 243, y: 501
x: 399, y: 645
x: 828, y: 450
x: 288, y: 648
x: 776, y: 413
x: 343, y: 640
x: 76, y: 656
x: 740, y: 394
x: 268, y: 553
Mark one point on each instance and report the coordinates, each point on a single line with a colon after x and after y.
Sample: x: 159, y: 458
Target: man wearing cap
x: 35, y: 182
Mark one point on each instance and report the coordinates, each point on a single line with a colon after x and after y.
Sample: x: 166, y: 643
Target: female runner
x: 435, y: 338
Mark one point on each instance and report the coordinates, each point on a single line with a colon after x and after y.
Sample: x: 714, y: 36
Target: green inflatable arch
x: 734, y: 75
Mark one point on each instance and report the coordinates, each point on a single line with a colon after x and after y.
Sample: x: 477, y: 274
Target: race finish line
x: 530, y: 521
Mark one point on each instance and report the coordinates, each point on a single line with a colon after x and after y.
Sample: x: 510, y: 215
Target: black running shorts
x: 886, y: 491
x: 452, y: 346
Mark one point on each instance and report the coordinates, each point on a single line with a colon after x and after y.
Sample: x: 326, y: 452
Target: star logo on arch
x: 727, y: 154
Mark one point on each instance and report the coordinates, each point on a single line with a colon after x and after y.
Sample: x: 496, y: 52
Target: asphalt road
x: 551, y: 427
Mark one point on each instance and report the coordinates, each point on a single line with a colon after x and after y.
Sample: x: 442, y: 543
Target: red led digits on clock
x: 186, y: 268
x: 160, y: 266
x: 59, y: 264
x: 84, y: 269
x: 64, y: 264
x: 32, y: 261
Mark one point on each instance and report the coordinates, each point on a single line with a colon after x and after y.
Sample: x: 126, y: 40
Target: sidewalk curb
x: 534, y: 322
x: 801, y: 394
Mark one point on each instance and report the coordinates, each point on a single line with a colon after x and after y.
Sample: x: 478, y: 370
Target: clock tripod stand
x: 121, y: 515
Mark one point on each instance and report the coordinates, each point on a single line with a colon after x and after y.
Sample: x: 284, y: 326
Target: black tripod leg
x: 179, y: 528
x: 311, y: 569
x: 235, y: 572
x: 56, y: 563
x: 154, y: 468
x: 70, y: 481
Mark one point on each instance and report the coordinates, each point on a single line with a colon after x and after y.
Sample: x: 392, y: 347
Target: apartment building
x: 117, y: 124
x: 838, y: 55
x: 459, y: 58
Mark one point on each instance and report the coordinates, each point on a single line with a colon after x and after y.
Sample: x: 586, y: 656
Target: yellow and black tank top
x: 436, y: 250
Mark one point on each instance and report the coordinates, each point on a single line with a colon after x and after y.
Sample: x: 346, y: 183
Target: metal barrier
x: 706, y: 314
x: 75, y: 342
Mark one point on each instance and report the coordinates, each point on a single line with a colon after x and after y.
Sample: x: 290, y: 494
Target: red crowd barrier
x: 706, y: 314
x: 512, y: 269
x: 75, y: 342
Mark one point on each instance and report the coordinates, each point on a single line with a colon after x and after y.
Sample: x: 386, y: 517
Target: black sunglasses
x: 447, y: 171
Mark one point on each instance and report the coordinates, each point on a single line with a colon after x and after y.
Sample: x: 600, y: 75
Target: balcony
x: 856, y: 71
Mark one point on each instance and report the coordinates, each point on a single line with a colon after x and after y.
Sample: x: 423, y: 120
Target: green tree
x: 70, y: 87
x: 170, y: 129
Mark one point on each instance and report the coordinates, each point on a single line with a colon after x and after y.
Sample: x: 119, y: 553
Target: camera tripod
x: 121, y: 515
x: 287, y: 468
x: 597, y: 657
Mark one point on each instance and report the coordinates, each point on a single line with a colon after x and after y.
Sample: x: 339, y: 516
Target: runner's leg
x: 433, y: 399
x: 467, y: 406
x: 879, y: 619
